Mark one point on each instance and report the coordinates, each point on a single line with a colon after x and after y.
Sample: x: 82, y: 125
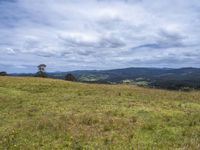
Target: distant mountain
x: 167, y: 78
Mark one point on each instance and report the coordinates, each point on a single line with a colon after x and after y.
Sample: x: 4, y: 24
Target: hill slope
x: 51, y: 114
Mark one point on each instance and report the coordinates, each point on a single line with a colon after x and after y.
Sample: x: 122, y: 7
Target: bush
x: 186, y: 89
x: 3, y: 73
x: 70, y: 77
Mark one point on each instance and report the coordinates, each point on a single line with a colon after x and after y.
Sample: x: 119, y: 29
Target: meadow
x: 38, y: 113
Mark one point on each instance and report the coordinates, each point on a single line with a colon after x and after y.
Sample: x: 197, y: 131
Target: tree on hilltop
x: 41, y: 71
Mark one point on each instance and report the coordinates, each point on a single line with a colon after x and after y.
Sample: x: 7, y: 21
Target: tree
x: 3, y: 73
x: 41, y: 71
x: 70, y: 77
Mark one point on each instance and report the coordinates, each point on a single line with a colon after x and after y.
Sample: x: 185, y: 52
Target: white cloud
x: 99, y: 34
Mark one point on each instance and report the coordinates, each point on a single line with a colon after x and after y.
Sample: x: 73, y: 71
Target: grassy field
x: 53, y: 114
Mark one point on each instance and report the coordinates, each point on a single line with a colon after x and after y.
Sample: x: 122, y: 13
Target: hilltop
x: 40, y: 113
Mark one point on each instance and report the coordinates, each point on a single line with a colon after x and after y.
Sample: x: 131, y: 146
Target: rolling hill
x: 164, y: 78
x: 40, y: 113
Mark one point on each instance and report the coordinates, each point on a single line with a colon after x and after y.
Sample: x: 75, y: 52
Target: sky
x: 98, y: 34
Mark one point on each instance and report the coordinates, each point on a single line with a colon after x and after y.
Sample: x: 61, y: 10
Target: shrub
x: 70, y: 77
x: 186, y: 89
x: 3, y: 73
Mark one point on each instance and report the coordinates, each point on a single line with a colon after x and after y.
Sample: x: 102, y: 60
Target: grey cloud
x: 165, y: 41
x: 99, y: 34
x: 172, y: 39
x: 7, y: 1
x: 105, y: 42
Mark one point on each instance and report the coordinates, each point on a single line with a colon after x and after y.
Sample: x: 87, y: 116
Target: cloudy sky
x: 98, y: 34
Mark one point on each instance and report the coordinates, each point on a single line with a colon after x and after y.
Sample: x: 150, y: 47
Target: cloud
x: 98, y: 34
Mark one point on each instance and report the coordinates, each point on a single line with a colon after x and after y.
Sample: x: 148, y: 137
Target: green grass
x: 53, y: 114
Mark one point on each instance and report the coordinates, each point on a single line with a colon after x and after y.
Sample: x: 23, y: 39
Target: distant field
x: 53, y: 114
